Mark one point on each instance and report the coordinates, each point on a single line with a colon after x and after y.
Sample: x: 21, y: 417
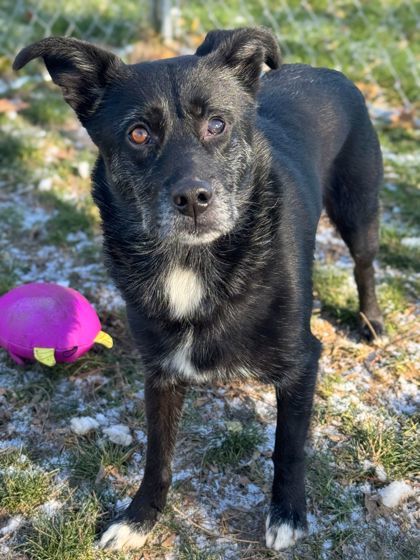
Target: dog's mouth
x: 201, y: 229
x: 190, y: 233
x: 199, y: 238
x: 196, y: 233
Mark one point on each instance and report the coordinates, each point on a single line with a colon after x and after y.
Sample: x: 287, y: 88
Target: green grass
x: 13, y: 149
x: 89, y: 456
x: 378, y: 543
x: 396, y: 546
x: 400, y: 195
x: 394, y: 253
x: 393, y: 295
x: 8, y: 278
x: 188, y: 548
x: 190, y: 551
x: 10, y: 457
x: 65, y: 408
x: 381, y: 437
x: 232, y: 445
x: 325, y: 492
x: 44, y: 385
x: 338, y: 297
x: 327, y: 384
x: 68, y: 535
x: 390, y: 441
x: 11, y: 218
x: 398, y: 140
x: 19, y: 155
x: 47, y: 108
x: 67, y: 219
x: 22, y: 489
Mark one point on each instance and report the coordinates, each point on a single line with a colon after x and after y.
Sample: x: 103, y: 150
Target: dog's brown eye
x: 139, y: 135
x: 215, y: 126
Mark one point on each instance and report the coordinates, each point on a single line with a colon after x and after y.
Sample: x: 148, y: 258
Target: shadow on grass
x: 338, y: 297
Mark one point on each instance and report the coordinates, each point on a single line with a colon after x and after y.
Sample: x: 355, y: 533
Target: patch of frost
x: 119, y: 434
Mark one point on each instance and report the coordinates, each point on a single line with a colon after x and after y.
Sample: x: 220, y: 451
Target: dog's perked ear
x: 243, y: 50
x: 81, y: 70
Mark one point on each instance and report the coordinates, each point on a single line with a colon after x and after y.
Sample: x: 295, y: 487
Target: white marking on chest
x: 184, y: 291
x: 180, y: 359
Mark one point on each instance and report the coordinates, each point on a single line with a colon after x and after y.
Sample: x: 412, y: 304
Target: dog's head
x: 175, y: 135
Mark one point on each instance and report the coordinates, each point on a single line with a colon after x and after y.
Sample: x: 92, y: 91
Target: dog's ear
x: 81, y: 70
x: 243, y: 50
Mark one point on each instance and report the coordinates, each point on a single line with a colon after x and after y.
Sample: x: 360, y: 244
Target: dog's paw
x: 123, y: 535
x: 282, y: 534
x: 373, y: 329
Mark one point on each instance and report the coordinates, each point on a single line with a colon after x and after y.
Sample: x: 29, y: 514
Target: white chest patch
x: 180, y: 359
x: 184, y: 290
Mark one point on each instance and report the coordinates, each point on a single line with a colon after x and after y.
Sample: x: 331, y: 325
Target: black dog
x: 210, y: 183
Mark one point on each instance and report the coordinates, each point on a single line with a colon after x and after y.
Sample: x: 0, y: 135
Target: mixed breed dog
x: 210, y: 181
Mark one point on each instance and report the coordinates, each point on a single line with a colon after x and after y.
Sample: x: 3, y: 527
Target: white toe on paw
x: 281, y: 536
x: 122, y: 536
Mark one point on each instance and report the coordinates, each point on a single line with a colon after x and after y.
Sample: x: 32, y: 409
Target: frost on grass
x: 50, y: 508
x: 12, y: 525
x: 393, y: 494
x: 119, y: 434
x: 83, y: 425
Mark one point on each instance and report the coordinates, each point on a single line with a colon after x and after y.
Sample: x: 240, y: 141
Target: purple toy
x: 48, y: 323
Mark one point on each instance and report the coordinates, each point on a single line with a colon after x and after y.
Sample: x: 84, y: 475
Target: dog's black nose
x: 192, y: 198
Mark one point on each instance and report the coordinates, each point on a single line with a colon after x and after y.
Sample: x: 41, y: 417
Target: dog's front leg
x: 286, y: 521
x: 163, y: 411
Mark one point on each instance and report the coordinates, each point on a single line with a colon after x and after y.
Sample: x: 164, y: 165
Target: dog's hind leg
x: 352, y: 204
x: 163, y: 411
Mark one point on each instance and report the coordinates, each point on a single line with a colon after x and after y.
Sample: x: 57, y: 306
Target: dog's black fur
x: 224, y: 292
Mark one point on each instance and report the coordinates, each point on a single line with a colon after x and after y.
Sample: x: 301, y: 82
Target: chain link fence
x: 110, y: 22
x: 375, y: 42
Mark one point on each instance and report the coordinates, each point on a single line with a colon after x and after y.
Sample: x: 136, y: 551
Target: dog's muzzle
x: 191, y: 197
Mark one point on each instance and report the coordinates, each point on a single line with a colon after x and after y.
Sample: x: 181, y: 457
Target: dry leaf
x: 12, y: 105
x: 169, y: 541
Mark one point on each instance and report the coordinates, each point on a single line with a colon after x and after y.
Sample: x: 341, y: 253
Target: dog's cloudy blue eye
x: 215, y: 126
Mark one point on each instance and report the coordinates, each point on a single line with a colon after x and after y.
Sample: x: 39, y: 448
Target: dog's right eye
x: 139, y: 135
x: 215, y: 126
